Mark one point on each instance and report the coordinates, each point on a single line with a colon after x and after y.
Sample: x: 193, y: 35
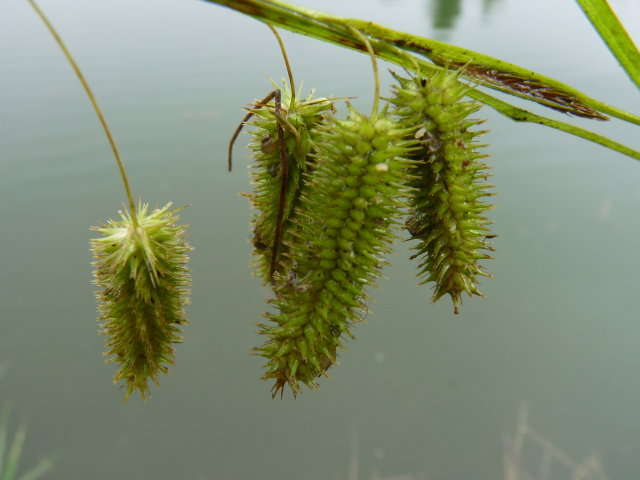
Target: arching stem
x: 244, y: 121
x: 96, y: 107
x: 374, y: 64
x: 286, y: 62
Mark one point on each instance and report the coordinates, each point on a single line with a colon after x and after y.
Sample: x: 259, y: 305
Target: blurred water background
x: 422, y: 393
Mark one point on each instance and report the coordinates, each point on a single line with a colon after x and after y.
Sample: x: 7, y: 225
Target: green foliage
x: 140, y: 269
x: 446, y: 215
x: 343, y: 228
x: 412, y: 51
x: 298, y: 120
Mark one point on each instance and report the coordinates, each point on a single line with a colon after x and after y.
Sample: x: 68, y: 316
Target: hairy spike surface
x: 343, y: 229
x: 446, y: 214
x: 300, y: 121
x: 143, y: 285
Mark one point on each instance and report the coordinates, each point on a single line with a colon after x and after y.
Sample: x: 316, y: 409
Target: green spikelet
x: 446, y: 214
x: 143, y: 286
x: 299, y: 120
x: 343, y: 228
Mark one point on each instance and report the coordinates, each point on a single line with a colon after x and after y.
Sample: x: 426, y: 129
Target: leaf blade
x: 613, y: 33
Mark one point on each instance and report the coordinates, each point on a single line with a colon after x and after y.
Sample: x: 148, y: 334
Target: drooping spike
x: 341, y: 233
x: 277, y: 190
x: 140, y: 269
x: 446, y: 216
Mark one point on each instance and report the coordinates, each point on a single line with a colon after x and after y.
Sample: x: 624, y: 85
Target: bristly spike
x: 446, y: 217
x: 283, y: 142
x: 343, y: 228
x: 141, y: 271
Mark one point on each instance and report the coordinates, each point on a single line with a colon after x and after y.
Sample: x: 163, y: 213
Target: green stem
x: 96, y: 107
x: 286, y: 62
x: 376, y: 77
x: 521, y: 115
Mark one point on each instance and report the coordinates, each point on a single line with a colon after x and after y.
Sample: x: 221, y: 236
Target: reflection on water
x: 526, y: 450
x: 488, y: 5
x: 444, y: 13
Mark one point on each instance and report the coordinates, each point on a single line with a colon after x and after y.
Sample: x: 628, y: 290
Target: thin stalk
x: 286, y: 62
x: 376, y: 77
x: 96, y: 107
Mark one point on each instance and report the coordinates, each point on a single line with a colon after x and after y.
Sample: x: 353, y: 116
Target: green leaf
x: 606, y: 23
x: 9, y: 464
x: 39, y: 470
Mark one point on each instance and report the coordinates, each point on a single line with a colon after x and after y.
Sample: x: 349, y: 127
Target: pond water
x: 422, y: 393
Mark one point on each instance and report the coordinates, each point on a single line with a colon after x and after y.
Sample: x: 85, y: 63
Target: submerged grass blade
x: 39, y: 470
x: 11, y: 452
x: 13, y: 455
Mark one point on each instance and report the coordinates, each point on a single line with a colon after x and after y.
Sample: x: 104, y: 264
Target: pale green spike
x: 141, y: 271
x: 342, y: 229
x: 446, y: 216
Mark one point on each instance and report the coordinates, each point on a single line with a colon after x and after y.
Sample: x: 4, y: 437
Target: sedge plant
x: 329, y: 195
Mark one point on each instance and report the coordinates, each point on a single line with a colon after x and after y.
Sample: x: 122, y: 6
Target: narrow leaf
x: 39, y: 470
x: 4, y: 414
x: 13, y: 458
x: 605, y: 21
